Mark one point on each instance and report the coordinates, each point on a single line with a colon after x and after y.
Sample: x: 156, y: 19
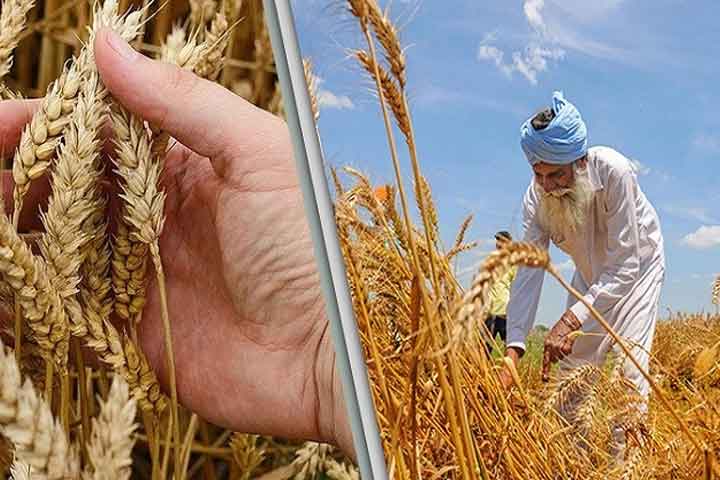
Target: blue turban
x: 562, y: 142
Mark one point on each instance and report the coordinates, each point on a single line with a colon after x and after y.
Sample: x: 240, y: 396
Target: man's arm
x: 622, y: 266
x: 527, y: 285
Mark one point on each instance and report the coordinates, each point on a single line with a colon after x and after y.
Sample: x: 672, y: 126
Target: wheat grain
x: 716, y: 291
x: 111, y: 442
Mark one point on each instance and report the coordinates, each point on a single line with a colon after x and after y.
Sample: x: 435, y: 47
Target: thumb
x: 202, y: 115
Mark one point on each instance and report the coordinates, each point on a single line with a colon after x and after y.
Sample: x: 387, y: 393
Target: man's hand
x: 252, y: 346
x: 506, y: 377
x: 559, y: 341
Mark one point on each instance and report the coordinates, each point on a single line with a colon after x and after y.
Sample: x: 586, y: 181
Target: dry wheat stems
x: 12, y: 23
x: 111, y: 442
x: 26, y: 420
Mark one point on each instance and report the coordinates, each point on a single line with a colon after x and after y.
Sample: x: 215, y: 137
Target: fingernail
x: 120, y: 46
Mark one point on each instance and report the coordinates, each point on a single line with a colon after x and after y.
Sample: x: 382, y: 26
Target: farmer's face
x: 554, y: 178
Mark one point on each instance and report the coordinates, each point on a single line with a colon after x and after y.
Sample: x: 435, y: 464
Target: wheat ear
x: 111, y: 441
x: 216, y: 40
x: 311, y: 81
x: 73, y: 199
x: 39, y: 300
x: 12, y: 23
x: 26, y: 420
x: 473, y: 306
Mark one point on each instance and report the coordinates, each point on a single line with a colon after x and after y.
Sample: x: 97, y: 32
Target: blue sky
x: 643, y: 74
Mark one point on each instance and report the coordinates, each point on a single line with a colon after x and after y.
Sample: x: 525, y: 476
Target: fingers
x: 200, y: 114
x: 14, y: 115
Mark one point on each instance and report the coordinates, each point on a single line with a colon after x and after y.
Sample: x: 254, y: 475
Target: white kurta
x: 619, y: 260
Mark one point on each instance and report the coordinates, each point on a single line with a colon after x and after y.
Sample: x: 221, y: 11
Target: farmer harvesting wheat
x: 588, y: 202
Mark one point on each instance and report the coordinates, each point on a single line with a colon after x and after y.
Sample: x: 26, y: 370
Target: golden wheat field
x: 78, y: 397
x: 440, y: 405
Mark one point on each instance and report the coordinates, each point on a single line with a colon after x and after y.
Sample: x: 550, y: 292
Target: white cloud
x: 704, y: 141
x: 327, y: 99
x: 556, y: 26
x: 533, y: 59
x: 639, y: 167
x: 703, y: 238
x: 533, y: 13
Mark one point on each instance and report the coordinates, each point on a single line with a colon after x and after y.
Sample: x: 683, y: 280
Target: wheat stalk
x: 12, y: 23
x: 111, y: 442
x: 716, y: 291
x: 26, y: 420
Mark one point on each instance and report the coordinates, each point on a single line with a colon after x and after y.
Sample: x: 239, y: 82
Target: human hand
x: 252, y: 345
x: 559, y: 341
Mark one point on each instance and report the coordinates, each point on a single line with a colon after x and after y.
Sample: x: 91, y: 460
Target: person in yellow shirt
x: 499, y: 297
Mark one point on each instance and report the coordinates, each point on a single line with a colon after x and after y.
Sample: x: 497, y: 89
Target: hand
x: 506, y: 377
x: 252, y: 345
x: 559, y: 341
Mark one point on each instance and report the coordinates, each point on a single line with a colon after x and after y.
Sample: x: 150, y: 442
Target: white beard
x: 565, y: 211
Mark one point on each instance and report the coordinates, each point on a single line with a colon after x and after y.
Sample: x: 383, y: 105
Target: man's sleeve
x: 622, y: 265
x: 527, y: 285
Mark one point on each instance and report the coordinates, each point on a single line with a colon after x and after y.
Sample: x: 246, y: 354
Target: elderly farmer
x: 588, y: 202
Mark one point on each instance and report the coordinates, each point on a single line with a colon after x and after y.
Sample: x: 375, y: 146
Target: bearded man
x: 588, y: 202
